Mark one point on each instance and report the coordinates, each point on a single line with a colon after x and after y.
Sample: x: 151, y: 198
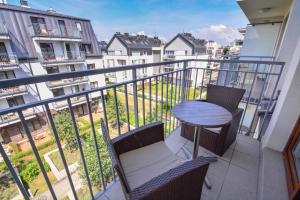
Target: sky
x: 207, y: 19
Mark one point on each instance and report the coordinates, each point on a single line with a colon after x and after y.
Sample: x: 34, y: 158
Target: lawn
x: 71, y: 158
x: 8, y: 189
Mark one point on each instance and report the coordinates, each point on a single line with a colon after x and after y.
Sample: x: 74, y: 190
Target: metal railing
x: 69, y: 81
x: 130, y: 104
x: 43, y: 30
x: 8, y: 59
x: 49, y: 57
x: 13, y: 91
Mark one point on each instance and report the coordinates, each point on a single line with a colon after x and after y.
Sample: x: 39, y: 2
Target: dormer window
x: 78, y: 26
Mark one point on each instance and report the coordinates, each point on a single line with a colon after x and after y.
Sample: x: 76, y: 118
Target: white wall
x: 117, y: 46
x: 290, y: 36
x: 288, y: 106
x: 260, y: 40
x: 179, y: 47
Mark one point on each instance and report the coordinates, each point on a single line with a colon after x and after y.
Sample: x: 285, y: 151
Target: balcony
x: 67, y: 82
x: 13, y: 118
x: 43, y: 32
x: 58, y: 105
x: 8, y: 60
x: 13, y: 91
x: 236, y: 175
x: 69, y: 57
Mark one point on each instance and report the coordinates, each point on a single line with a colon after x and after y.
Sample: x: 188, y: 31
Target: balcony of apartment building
x: 8, y: 60
x: 44, y: 32
x: 49, y: 58
x: 13, y: 118
x: 235, y: 175
x: 67, y: 82
x: 13, y: 91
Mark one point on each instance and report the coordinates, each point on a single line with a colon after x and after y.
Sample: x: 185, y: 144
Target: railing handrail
x: 52, y: 77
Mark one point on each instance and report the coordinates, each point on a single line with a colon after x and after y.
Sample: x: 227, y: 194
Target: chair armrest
x: 140, y: 137
x: 182, y: 182
x: 236, y: 113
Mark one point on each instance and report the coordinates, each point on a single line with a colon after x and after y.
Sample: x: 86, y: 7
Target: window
x: 80, y: 110
x: 58, y: 92
x: 39, y: 25
x: 62, y: 28
x: 78, y: 26
x: 52, y: 70
x: 47, y: 51
x: 33, y: 125
x: 7, y: 74
x: 75, y: 89
x: 170, y: 52
x: 72, y: 68
x: 14, y: 101
x: 91, y: 66
x: 94, y: 84
x: 87, y: 48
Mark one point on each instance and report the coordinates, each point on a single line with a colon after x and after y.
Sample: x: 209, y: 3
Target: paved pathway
x: 62, y: 188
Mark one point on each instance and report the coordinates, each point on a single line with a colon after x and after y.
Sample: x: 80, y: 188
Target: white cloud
x: 219, y: 33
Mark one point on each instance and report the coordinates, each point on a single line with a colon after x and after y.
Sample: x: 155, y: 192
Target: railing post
x: 183, y: 85
x: 135, y: 99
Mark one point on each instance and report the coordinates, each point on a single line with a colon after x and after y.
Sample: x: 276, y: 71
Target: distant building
x: 126, y: 49
x: 36, y: 42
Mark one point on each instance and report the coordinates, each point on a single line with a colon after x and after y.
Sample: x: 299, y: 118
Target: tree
x: 64, y: 126
x: 225, y: 51
x: 111, y: 110
x: 92, y: 161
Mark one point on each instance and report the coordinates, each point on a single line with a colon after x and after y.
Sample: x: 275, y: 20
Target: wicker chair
x: 147, y: 168
x: 218, y: 140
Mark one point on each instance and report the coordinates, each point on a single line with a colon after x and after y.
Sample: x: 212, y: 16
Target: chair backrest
x: 226, y: 97
x: 114, y: 158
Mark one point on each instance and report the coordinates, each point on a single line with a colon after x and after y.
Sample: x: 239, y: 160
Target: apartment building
x: 126, y: 49
x: 186, y: 46
x: 36, y: 42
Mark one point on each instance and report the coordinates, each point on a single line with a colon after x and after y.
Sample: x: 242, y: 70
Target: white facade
x: 118, y: 55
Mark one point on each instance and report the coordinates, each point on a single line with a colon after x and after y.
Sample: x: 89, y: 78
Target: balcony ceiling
x: 264, y: 11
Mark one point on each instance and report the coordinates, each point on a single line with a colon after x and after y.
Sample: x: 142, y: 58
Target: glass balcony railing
x: 69, y: 81
x: 48, y: 57
x: 43, y: 30
x: 13, y: 91
x: 14, y: 117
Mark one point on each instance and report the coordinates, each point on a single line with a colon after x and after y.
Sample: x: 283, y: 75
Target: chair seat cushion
x: 143, y: 164
x: 215, y: 130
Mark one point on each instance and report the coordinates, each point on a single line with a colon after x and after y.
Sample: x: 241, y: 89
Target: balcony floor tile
x: 233, y: 176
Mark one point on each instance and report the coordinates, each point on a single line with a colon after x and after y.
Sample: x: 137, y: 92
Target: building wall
x: 260, y: 40
x: 179, y: 47
x: 287, y: 109
x: 117, y: 47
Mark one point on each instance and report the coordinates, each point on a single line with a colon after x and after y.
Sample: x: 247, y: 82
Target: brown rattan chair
x: 218, y: 140
x: 147, y: 168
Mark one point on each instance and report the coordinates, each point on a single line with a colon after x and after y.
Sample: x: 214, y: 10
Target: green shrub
x: 46, y: 166
x: 30, y: 172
